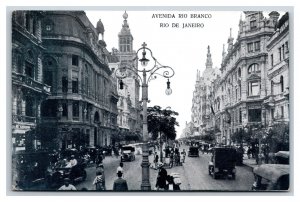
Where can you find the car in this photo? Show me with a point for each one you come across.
(222, 162)
(56, 175)
(271, 177)
(282, 157)
(128, 153)
(193, 152)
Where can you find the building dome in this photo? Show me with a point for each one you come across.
(125, 16)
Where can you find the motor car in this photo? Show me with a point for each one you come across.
(282, 157)
(31, 167)
(271, 177)
(128, 153)
(193, 152)
(222, 162)
(56, 175)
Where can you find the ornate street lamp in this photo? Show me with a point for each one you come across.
(166, 72)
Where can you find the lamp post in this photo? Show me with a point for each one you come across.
(153, 72)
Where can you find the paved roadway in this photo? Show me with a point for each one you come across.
(194, 175)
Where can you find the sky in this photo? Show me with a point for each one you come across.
(183, 48)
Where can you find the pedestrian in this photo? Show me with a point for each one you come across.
(155, 160)
(120, 184)
(161, 181)
(67, 186)
(183, 154)
(99, 181)
(120, 168)
(249, 152)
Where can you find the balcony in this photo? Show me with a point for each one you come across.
(24, 119)
(30, 83)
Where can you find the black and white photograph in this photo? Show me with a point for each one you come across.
(150, 100)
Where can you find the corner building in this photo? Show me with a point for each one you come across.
(244, 80)
(83, 102)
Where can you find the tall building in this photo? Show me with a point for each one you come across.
(203, 97)
(129, 118)
(28, 87)
(244, 74)
(82, 107)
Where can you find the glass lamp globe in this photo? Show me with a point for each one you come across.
(168, 91)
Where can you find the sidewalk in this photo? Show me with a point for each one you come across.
(250, 163)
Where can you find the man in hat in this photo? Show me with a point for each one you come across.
(67, 186)
(120, 184)
(161, 181)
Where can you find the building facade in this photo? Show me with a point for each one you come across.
(277, 101)
(28, 88)
(82, 107)
(252, 89)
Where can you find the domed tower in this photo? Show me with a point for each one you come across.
(125, 37)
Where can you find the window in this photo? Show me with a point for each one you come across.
(254, 68)
(254, 115)
(75, 60)
(272, 60)
(250, 47)
(64, 84)
(239, 72)
(272, 113)
(29, 69)
(27, 22)
(253, 24)
(272, 87)
(257, 45)
(279, 52)
(75, 85)
(75, 109)
(283, 52)
(240, 115)
(253, 88)
(286, 47)
(48, 77)
(281, 84)
(65, 109)
(34, 27)
(282, 111)
(236, 94)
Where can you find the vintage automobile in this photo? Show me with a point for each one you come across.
(128, 153)
(193, 152)
(222, 162)
(56, 175)
(282, 157)
(271, 177)
(31, 167)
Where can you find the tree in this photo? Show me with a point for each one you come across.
(162, 121)
(278, 137)
(241, 136)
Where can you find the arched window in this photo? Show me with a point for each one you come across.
(281, 83)
(253, 68)
(239, 72)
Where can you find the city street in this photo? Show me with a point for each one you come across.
(194, 175)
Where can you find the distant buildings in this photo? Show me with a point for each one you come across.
(253, 87)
